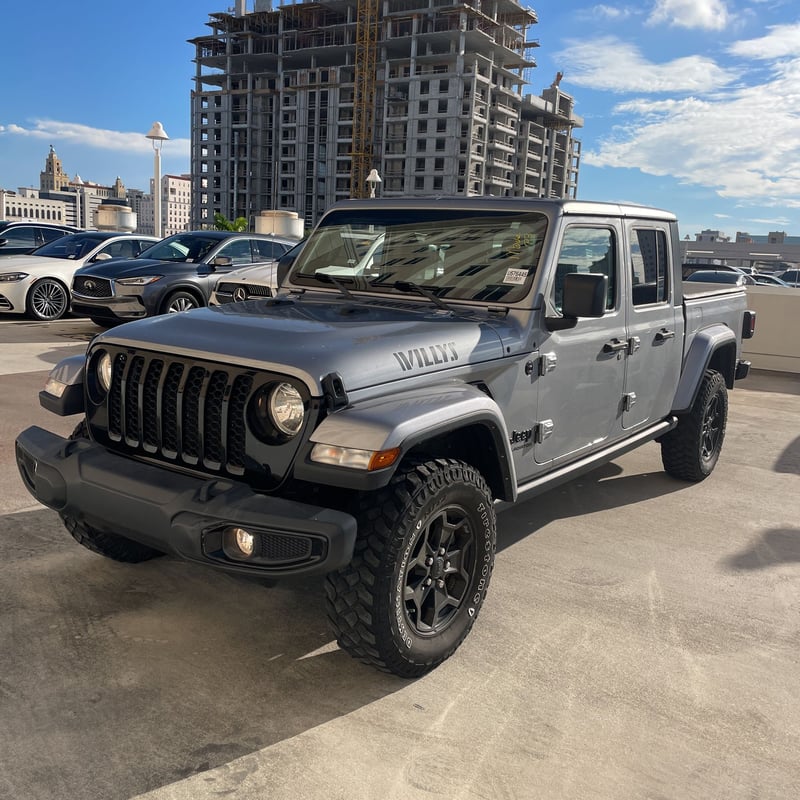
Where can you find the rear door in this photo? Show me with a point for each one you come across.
(655, 325)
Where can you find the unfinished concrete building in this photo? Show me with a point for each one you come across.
(293, 107)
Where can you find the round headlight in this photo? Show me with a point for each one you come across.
(286, 409)
(104, 367)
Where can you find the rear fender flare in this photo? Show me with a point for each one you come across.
(719, 339)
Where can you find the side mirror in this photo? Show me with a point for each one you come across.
(285, 264)
(222, 261)
(584, 295)
(3, 242)
(102, 257)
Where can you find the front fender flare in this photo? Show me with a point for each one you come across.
(67, 376)
(407, 420)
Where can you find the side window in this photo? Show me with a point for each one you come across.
(20, 237)
(51, 234)
(266, 250)
(585, 249)
(122, 249)
(649, 265)
(238, 251)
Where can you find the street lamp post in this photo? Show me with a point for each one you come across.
(157, 136)
(372, 180)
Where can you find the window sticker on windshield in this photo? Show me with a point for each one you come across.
(518, 276)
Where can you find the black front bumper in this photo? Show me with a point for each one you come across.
(181, 514)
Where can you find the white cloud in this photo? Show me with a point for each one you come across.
(612, 12)
(612, 65)
(705, 14)
(740, 143)
(56, 132)
(780, 42)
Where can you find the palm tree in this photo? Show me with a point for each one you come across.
(223, 224)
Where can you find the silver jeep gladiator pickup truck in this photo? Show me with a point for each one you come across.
(423, 360)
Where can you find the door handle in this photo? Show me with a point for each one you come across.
(664, 334)
(614, 346)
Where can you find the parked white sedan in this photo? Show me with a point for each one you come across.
(38, 283)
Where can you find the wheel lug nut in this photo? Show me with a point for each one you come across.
(428, 581)
(440, 584)
(429, 561)
(447, 565)
(442, 551)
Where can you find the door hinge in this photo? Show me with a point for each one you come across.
(543, 430)
(634, 343)
(547, 363)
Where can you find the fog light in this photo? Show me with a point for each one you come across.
(245, 541)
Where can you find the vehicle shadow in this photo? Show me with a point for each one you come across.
(777, 546)
(602, 489)
(117, 679)
(789, 460)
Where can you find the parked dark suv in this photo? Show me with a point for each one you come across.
(176, 274)
(20, 238)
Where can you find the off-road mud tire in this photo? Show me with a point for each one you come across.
(691, 450)
(421, 568)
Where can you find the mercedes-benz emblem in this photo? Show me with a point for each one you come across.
(239, 294)
(89, 285)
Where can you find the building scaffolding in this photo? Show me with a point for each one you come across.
(292, 107)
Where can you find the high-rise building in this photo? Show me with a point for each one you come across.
(287, 103)
(175, 205)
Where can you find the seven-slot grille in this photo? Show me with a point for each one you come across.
(188, 412)
(89, 286)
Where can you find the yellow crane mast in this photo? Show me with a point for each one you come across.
(364, 95)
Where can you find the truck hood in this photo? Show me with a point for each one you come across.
(366, 343)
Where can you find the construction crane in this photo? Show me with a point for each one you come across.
(364, 95)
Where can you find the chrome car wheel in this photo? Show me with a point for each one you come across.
(47, 300)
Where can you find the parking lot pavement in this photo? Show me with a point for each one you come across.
(640, 640)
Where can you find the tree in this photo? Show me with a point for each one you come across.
(223, 224)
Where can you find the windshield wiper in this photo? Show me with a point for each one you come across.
(326, 277)
(408, 286)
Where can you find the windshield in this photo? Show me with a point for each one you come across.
(487, 256)
(74, 246)
(187, 247)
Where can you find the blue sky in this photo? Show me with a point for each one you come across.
(691, 105)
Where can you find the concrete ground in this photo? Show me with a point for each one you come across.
(641, 639)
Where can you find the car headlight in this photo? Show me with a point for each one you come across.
(141, 280)
(11, 277)
(277, 412)
(104, 367)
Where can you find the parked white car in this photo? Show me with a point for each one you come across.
(38, 283)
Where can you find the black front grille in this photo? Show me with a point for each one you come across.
(188, 412)
(89, 286)
(250, 290)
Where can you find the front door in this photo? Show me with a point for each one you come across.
(582, 369)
